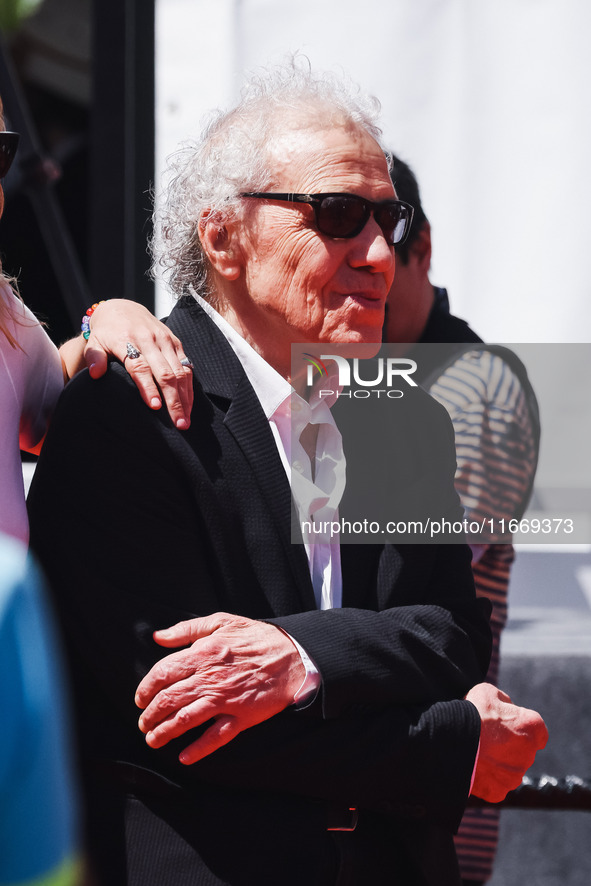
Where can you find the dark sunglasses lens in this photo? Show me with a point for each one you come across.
(8, 146)
(341, 216)
(393, 220)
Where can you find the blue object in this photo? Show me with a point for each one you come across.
(37, 817)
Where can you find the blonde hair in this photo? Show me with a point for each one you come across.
(8, 314)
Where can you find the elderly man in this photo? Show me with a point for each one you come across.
(309, 725)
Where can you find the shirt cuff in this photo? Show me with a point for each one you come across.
(312, 680)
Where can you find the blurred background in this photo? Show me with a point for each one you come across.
(488, 100)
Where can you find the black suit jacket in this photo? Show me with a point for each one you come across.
(139, 526)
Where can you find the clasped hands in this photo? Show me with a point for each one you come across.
(234, 671)
(237, 672)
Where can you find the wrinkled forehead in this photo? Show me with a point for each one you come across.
(313, 157)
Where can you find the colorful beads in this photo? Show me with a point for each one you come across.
(86, 318)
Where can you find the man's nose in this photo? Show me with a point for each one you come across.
(371, 250)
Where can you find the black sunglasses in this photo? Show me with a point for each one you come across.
(8, 146)
(345, 215)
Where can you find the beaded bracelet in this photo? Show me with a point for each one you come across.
(86, 318)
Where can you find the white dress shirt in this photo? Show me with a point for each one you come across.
(316, 490)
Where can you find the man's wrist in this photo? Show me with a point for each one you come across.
(308, 689)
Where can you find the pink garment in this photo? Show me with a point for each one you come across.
(31, 380)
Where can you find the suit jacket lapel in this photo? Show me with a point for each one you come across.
(223, 379)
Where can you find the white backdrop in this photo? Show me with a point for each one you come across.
(488, 100)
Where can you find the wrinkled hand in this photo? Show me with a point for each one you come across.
(118, 321)
(236, 671)
(509, 740)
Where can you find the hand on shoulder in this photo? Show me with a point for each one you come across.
(152, 355)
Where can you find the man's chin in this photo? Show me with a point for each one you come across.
(360, 343)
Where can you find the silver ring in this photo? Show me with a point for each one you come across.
(132, 351)
(186, 362)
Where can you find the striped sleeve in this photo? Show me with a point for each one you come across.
(495, 442)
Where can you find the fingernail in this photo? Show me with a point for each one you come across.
(155, 403)
(182, 424)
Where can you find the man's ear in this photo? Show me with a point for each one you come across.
(220, 244)
(420, 248)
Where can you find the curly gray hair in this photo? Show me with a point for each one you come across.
(233, 156)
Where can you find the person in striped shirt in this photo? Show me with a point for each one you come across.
(494, 413)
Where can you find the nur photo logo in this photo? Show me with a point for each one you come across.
(367, 374)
